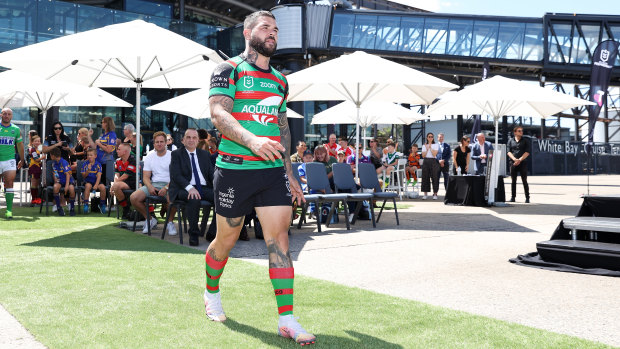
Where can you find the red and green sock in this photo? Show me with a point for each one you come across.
(282, 281)
(214, 271)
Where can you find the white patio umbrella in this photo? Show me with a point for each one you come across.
(133, 54)
(361, 77)
(499, 96)
(195, 105)
(19, 90)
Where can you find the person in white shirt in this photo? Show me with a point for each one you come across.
(430, 166)
(156, 179)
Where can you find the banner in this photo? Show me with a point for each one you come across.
(602, 63)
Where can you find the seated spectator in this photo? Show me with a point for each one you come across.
(34, 168)
(128, 131)
(344, 145)
(413, 164)
(80, 151)
(203, 137)
(363, 159)
(342, 157)
(389, 161)
(134, 143)
(91, 172)
(376, 153)
(302, 170)
(125, 176)
(299, 154)
(332, 147)
(170, 143)
(64, 180)
(156, 179)
(58, 139)
(320, 155)
(183, 182)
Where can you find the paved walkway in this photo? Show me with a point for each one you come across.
(457, 257)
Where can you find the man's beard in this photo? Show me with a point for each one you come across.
(260, 47)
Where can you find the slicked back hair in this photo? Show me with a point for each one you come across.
(252, 18)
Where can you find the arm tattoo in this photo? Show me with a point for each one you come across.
(234, 222)
(285, 140)
(221, 109)
(278, 258)
(211, 252)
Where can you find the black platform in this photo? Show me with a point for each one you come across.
(594, 244)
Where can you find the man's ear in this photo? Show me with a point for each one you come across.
(247, 34)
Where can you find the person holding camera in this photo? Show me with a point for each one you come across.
(57, 138)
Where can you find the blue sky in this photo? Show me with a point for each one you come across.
(521, 8)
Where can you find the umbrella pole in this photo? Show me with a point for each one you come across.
(44, 164)
(138, 170)
(357, 140)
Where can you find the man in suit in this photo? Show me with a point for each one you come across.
(444, 155)
(191, 179)
(480, 153)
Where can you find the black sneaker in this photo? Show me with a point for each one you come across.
(61, 212)
(72, 212)
(512, 199)
(527, 200)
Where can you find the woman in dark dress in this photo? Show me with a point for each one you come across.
(57, 138)
(461, 156)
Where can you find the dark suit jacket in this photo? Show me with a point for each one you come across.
(476, 152)
(181, 172)
(445, 155)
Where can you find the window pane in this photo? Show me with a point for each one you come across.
(149, 8)
(459, 42)
(56, 18)
(533, 42)
(93, 17)
(388, 29)
(411, 34)
(16, 24)
(342, 30)
(510, 42)
(123, 17)
(365, 31)
(560, 43)
(485, 39)
(581, 44)
(435, 35)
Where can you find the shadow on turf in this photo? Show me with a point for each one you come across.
(109, 237)
(360, 340)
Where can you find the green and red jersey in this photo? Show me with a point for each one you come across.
(258, 95)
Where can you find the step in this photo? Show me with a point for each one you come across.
(584, 254)
(606, 224)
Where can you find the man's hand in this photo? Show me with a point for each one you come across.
(162, 191)
(266, 148)
(296, 193)
(483, 156)
(442, 162)
(517, 162)
(193, 194)
(20, 163)
(151, 189)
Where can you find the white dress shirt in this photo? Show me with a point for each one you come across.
(201, 178)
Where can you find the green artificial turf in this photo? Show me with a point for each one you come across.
(80, 282)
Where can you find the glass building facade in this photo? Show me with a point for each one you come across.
(25, 22)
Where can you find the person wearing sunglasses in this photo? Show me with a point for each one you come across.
(518, 149)
(57, 138)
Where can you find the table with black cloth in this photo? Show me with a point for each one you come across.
(469, 191)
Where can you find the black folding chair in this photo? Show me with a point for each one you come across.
(345, 183)
(47, 187)
(182, 219)
(369, 180)
(318, 181)
(148, 201)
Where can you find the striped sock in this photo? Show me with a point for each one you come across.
(282, 281)
(10, 194)
(214, 271)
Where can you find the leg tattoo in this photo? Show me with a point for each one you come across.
(234, 222)
(278, 258)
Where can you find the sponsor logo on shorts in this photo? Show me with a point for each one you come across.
(288, 185)
(227, 199)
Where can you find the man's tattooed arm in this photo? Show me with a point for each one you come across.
(285, 140)
(221, 109)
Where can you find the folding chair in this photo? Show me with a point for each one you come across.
(368, 180)
(343, 180)
(182, 219)
(318, 181)
(47, 186)
(148, 201)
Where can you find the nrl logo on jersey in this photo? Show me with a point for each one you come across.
(248, 81)
(266, 106)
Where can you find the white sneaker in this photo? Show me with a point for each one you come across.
(288, 327)
(54, 208)
(153, 221)
(424, 197)
(170, 228)
(213, 306)
(351, 217)
(434, 197)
